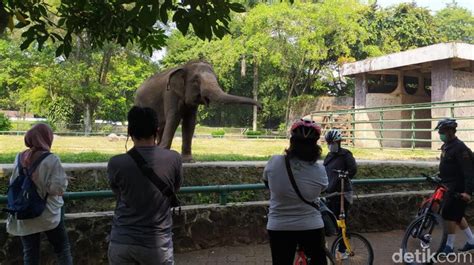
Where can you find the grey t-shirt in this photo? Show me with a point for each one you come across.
(287, 211)
(142, 214)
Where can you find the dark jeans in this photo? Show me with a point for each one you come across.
(58, 239)
(283, 245)
(334, 204)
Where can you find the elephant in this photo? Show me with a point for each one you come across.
(175, 95)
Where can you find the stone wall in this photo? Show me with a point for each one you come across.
(201, 227)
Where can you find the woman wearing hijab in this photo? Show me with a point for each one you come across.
(51, 182)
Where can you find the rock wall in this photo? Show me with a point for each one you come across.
(201, 227)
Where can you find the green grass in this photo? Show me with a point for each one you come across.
(99, 149)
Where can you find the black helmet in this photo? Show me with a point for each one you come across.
(446, 123)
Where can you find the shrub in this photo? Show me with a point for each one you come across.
(253, 134)
(218, 134)
(5, 123)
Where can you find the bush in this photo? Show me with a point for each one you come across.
(5, 123)
(253, 134)
(218, 134)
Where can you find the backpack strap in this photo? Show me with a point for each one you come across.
(293, 183)
(150, 173)
(34, 166)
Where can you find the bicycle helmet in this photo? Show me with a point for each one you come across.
(446, 123)
(305, 129)
(333, 135)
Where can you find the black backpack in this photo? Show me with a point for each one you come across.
(24, 202)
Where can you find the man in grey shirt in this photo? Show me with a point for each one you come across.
(141, 229)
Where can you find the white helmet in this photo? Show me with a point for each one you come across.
(333, 135)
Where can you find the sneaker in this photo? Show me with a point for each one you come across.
(343, 255)
(447, 250)
(467, 247)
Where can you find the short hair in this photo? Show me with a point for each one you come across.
(142, 122)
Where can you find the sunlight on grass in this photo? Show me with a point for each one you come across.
(100, 149)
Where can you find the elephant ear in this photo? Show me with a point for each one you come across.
(176, 82)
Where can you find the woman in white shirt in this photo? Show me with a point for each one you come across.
(291, 221)
(51, 182)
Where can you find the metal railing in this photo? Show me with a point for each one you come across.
(224, 190)
(406, 127)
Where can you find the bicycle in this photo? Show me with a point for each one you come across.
(428, 230)
(302, 260)
(363, 255)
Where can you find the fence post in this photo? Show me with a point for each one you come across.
(413, 127)
(452, 110)
(381, 129)
(353, 126)
(223, 197)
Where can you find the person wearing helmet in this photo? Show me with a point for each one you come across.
(339, 158)
(292, 221)
(457, 173)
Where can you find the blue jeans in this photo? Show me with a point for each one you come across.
(58, 239)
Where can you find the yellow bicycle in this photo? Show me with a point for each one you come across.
(348, 247)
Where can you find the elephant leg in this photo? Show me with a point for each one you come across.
(188, 126)
(172, 122)
(159, 136)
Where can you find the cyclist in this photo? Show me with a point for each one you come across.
(457, 173)
(339, 158)
(291, 221)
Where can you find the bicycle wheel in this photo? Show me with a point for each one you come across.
(426, 235)
(361, 250)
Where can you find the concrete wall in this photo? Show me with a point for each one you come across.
(201, 227)
(451, 85)
(397, 97)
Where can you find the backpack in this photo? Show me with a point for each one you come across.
(24, 202)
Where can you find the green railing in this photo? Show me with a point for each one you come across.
(405, 127)
(224, 190)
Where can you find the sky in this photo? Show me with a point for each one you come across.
(433, 5)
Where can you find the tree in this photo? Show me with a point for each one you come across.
(455, 23)
(114, 21)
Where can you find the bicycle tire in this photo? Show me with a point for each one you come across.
(369, 260)
(434, 220)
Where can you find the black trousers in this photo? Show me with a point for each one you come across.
(283, 246)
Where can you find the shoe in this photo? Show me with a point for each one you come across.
(447, 250)
(467, 247)
(343, 255)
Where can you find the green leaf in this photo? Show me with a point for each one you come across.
(26, 43)
(236, 7)
(59, 50)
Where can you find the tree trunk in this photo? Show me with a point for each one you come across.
(292, 88)
(87, 119)
(255, 93)
(243, 67)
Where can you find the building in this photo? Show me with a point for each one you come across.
(437, 73)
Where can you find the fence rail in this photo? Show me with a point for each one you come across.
(410, 123)
(224, 190)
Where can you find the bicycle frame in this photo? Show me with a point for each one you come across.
(341, 220)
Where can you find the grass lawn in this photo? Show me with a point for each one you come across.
(99, 149)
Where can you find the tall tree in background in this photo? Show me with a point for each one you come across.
(455, 23)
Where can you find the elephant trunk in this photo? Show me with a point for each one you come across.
(224, 98)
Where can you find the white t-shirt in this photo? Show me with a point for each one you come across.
(287, 211)
(49, 179)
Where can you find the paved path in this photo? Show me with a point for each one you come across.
(384, 244)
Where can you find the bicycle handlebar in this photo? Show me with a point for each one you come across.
(342, 173)
(437, 180)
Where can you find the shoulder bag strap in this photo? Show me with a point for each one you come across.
(293, 183)
(150, 173)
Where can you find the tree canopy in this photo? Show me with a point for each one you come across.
(279, 52)
(115, 21)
